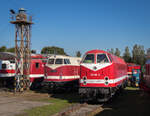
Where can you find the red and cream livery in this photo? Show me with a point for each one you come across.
(60, 70)
(7, 67)
(101, 75)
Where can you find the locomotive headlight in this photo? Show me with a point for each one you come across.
(106, 80)
(84, 80)
(94, 67)
(106, 83)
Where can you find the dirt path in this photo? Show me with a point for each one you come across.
(12, 105)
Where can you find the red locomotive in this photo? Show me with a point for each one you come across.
(145, 82)
(132, 66)
(7, 67)
(102, 74)
(62, 71)
(134, 72)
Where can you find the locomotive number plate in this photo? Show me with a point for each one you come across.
(95, 75)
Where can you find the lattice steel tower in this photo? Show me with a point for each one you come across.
(22, 24)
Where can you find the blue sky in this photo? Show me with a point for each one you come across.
(81, 24)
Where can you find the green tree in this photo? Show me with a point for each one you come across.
(110, 50)
(11, 50)
(138, 54)
(127, 55)
(53, 50)
(135, 53)
(117, 52)
(78, 54)
(3, 49)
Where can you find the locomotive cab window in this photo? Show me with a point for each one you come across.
(4, 66)
(51, 61)
(102, 58)
(89, 58)
(67, 61)
(44, 61)
(59, 61)
(110, 58)
(37, 65)
(12, 61)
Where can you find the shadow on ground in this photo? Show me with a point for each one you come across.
(130, 103)
(71, 95)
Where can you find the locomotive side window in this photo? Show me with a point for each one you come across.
(59, 61)
(12, 61)
(110, 58)
(102, 58)
(4, 66)
(67, 61)
(44, 60)
(37, 65)
(89, 58)
(51, 61)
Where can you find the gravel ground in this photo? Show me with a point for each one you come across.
(11, 105)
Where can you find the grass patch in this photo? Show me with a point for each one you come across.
(56, 106)
(132, 88)
(58, 103)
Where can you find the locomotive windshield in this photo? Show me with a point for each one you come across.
(51, 61)
(102, 58)
(67, 61)
(89, 58)
(59, 61)
(4, 66)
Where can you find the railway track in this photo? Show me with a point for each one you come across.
(81, 110)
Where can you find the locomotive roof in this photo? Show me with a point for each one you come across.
(38, 56)
(11, 56)
(96, 51)
(63, 56)
(132, 64)
(7, 56)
